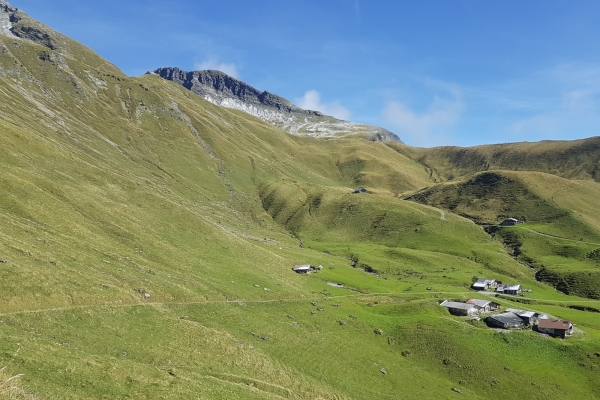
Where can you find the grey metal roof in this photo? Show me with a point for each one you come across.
(513, 310)
(301, 267)
(479, 302)
(527, 314)
(510, 286)
(522, 313)
(456, 304)
(507, 318)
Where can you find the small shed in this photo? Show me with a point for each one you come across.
(360, 190)
(306, 268)
(555, 327)
(458, 308)
(485, 283)
(484, 306)
(509, 222)
(505, 320)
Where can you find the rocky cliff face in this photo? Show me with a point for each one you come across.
(16, 23)
(226, 91)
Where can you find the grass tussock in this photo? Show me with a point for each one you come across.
(10, 388)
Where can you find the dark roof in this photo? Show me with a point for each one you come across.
(510, 286)
(507, 318)
(554, 324)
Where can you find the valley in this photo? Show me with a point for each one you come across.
(148, 236)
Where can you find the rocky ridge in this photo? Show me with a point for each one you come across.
(226, 91)
(13, 22)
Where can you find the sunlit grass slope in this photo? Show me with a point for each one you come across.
(578, 159)
(560, 236)
(147, 239)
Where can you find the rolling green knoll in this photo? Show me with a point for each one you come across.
(147, 239)
(556, 240)
(578, 159)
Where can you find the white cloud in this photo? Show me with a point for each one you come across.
(572, 104)
(215, 63)
(312, 101)
(427, 128)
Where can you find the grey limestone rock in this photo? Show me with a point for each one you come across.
(226, 91)
(14, 22)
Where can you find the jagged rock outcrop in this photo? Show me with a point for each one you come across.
(7, 13)
(226, 91)
(15, 22)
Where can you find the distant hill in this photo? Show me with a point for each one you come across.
(577, 159)
(226, 91)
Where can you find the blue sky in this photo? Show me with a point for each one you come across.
(434, 72)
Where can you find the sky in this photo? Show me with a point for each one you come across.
(460, 72)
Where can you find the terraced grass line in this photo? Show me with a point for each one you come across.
(256, 301)
(292, 300)
(556, 237)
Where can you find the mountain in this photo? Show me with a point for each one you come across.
(226, 91)
(148, 239)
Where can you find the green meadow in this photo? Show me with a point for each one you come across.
(147, 240)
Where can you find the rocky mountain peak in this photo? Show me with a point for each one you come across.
(5, 6)
(7, 12)
(14, 22)
(216, 86)
(227, 91)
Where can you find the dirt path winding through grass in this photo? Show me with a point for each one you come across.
(557, 237)
(282, 300)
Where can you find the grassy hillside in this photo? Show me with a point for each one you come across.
(147, 239)
(558, 239)
(578, 159)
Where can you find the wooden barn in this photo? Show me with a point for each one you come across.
(555, 327)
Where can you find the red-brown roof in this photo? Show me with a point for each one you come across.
(554, 324)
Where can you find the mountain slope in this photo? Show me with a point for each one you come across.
(147, 239)
(223, 90)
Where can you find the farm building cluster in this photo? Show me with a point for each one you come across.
(493, 284)
(511, 318)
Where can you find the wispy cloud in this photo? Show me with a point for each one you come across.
(357, 8)
(428, 128)
(214, 63)
(312, 101)
(572, 104)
